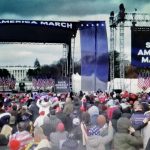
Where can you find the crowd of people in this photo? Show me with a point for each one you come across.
(81, 121)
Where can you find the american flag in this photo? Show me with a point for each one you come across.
(51, 82)
(3, 81)
(7, 82)
(147, 82)
(140, 81)
(143, 81)
(34, 83)
(12, 83)
(42, 83)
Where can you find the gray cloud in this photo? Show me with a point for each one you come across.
(65, 7)
(25, 54)
(56, 9)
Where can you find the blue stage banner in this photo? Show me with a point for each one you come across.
(140, 46)
(94, 56)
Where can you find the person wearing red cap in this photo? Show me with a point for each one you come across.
(22, 135)
(39, 120)
(58, 137)
(14, 144)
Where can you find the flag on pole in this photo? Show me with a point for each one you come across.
(147, 82)
(140, 81)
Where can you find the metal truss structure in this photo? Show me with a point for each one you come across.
(65, 70)
(72, 62)
(122, 20)
(65, 65)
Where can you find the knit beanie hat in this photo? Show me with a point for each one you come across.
(14, 144)
(42, 113)
(58, 109)
(60, 127)
(123, 124)
(93, 111)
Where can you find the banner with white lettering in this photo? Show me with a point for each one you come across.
(36, 31)
(58, 24)
(62, 85)
(140, 46)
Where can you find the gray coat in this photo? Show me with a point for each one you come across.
(68, 109)
(57, 137)
(123, 140)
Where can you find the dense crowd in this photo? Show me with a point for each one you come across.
(91, 121)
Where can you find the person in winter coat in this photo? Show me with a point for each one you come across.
(39, 121)
(77, 104)
(22, 135)
(68, 108)
(115, 116)
(70, 143)
(34, 109)
(43, 104)
(58, 137)
(138, 115)
(94, 113)
(40, 140)
(85, 118)
(126, 138)
(50, 123)
(96, 142)
(76, 131)
(60, 115)
(102, 124)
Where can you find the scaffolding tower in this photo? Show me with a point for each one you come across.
(73, 52)
(65, 64)
(71, 69)
(121, 66)
(122, 20)
(112, 49)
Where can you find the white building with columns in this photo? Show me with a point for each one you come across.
(19, 72)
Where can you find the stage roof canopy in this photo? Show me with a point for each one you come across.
(37, 31)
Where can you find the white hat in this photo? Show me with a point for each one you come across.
(76, 121)
(124, 105)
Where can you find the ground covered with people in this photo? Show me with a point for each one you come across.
(75, 121)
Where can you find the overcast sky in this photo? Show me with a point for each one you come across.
(55, 10)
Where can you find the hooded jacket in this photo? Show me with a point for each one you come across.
(123, 140)
(33, 108)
